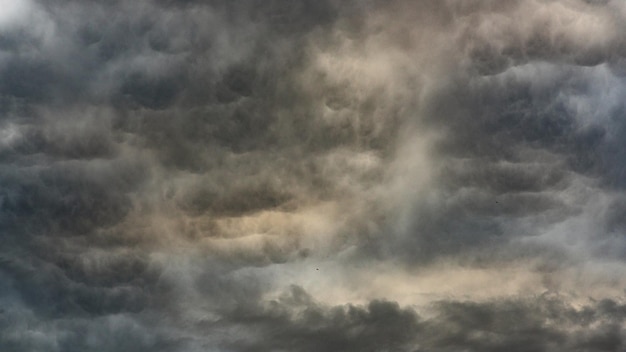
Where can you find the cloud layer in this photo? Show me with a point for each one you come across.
(312, 175)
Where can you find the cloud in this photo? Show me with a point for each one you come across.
(312, 175)
(296, 321)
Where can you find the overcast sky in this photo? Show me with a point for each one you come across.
(313, 175)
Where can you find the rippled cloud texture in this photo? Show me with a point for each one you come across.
(429, 175)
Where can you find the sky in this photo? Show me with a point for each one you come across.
(300, 175)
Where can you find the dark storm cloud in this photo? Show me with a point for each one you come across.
(516, 132)
(511, 148)
(544, 324)
(296, 322)
(106, 98)
(153, 151)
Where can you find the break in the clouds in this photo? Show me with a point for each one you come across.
(313, 175)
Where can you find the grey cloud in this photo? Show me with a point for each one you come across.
(543, 325)
(295, 321)
(22, 332)
(379, 326)
(572, 33)
(150, 151)
(512, 148)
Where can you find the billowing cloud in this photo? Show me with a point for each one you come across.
(312, 175)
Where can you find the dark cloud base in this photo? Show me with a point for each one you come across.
(296, 322)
